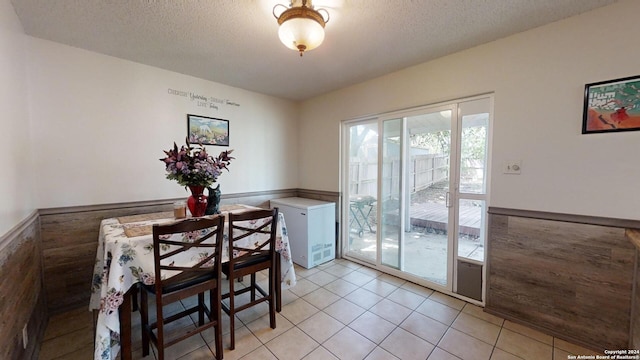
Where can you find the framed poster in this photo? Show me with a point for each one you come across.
(207, 131)
(612, 105)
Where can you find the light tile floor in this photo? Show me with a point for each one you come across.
(341, 310)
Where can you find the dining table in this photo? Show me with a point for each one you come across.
(125, 257)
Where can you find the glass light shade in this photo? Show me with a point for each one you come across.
(301, 31)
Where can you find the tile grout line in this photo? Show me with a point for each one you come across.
(374, 275)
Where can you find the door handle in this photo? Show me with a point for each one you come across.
(447, 199)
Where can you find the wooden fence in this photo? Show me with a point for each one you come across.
(425, 170)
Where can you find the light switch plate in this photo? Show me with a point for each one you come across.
(513, 167)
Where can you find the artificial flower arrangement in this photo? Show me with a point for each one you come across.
(191, 165)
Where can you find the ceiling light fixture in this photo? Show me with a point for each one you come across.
(301, 26)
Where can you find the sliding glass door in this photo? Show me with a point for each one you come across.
(416, 193)
(362, 189)
(428, 197)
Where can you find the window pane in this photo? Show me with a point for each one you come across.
(473, 146)
(391, 227)
(471, 229)
(426, 246)
(473, 154)
(363, 187)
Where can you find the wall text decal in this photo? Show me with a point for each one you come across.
(208, 102)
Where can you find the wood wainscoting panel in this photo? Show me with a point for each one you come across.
(22, 299)
(571, 280)
(634, 342)
(69, 245)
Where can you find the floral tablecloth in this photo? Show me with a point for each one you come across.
(125, 257)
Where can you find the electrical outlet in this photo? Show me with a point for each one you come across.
(513, 167)
(25, 336)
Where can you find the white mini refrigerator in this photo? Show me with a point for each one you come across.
(311, 229)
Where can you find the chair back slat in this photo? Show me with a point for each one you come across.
(174, 243)
(251, 233)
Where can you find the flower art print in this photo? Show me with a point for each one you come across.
(612, 105)
(208, 131)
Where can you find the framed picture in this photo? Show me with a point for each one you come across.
(207, 131)
(612, 105)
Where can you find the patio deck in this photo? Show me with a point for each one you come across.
(433, 217)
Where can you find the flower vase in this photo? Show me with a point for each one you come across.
(197, 202)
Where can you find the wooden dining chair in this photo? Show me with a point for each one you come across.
(252, 248)
(187, 263)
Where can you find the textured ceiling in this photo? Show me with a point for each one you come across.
(235, 42)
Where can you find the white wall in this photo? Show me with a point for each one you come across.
(100, 124)
(16, 186)
(538, 78)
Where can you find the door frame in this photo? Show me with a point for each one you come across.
(452, 256)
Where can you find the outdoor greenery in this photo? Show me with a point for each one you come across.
(439, 142)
